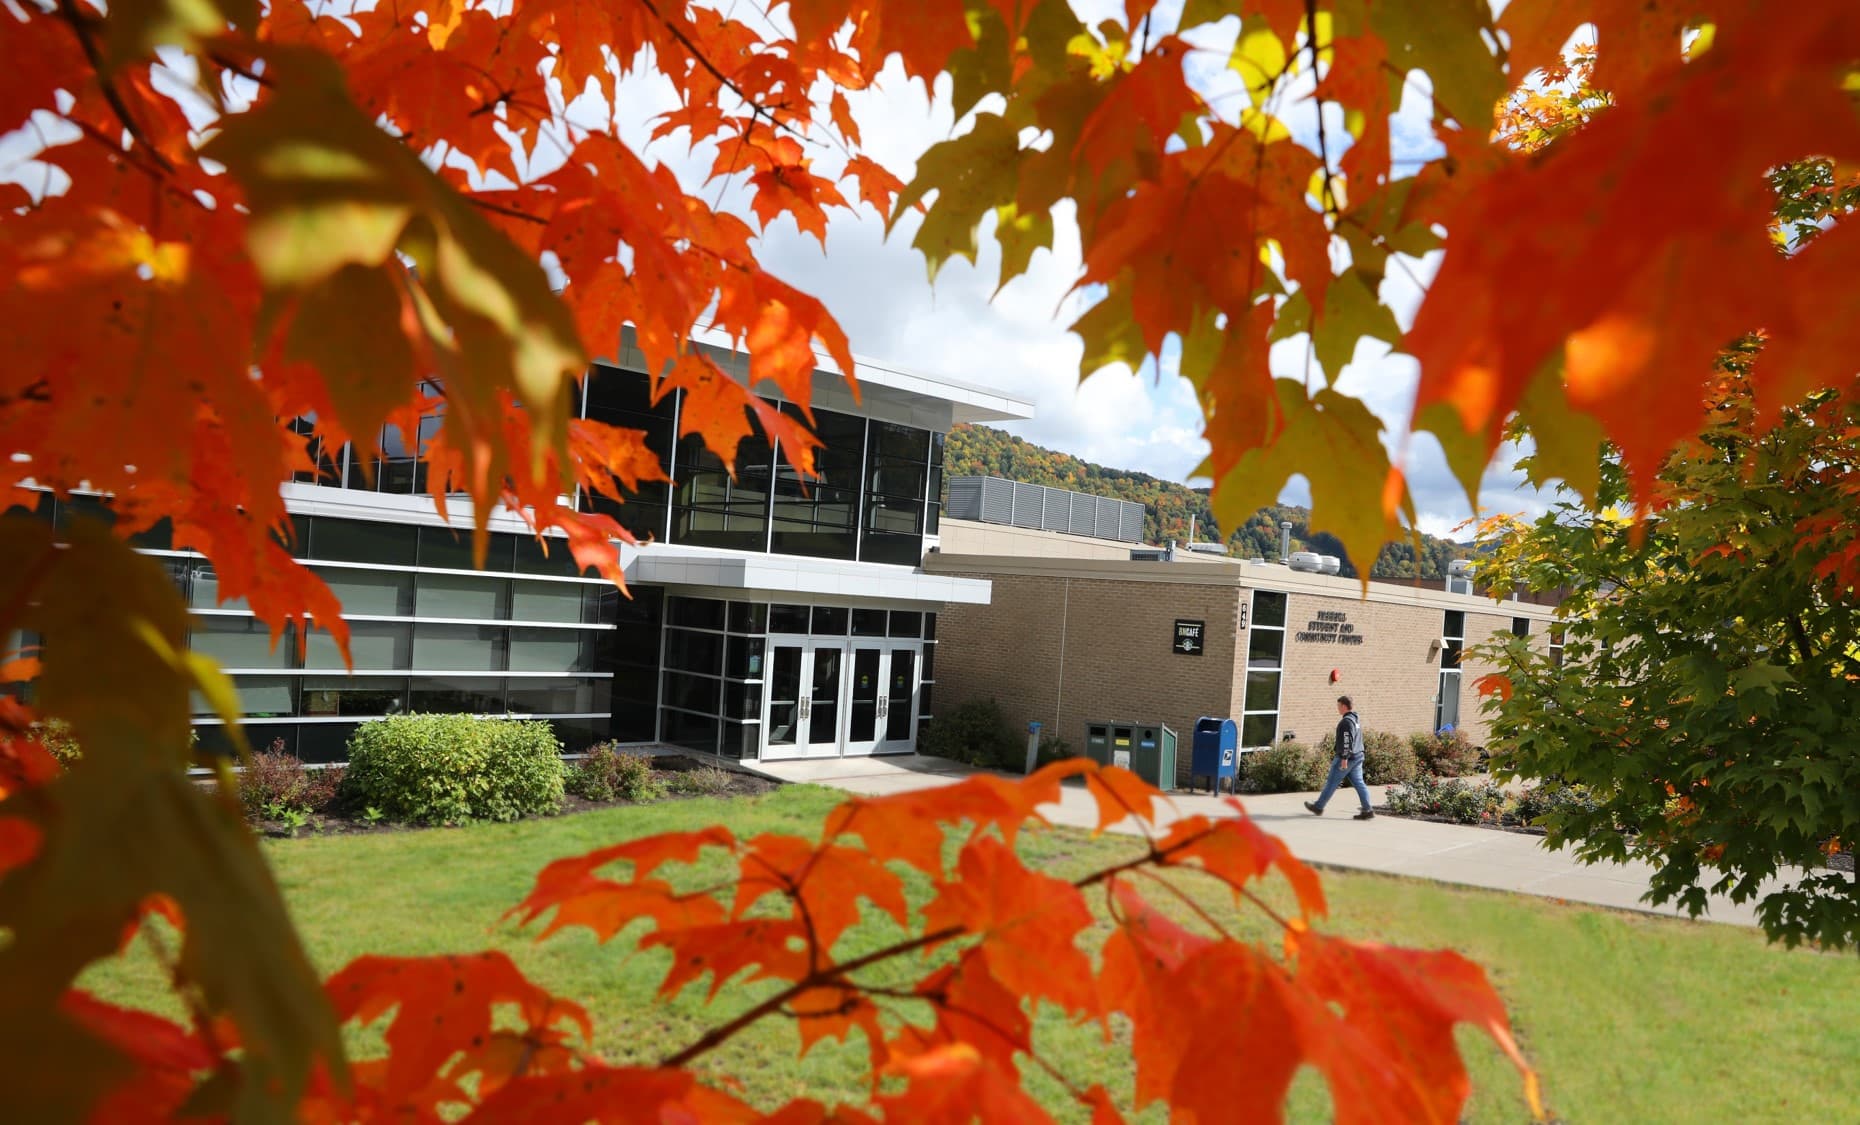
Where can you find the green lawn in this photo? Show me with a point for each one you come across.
(1628, 1017)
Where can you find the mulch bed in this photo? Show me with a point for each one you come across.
(666, 769)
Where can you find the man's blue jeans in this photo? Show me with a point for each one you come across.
(1338, 771)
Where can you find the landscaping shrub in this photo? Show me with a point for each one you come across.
(276, 784)
(1284, 767)
(976, 733)
(1548, 797)
(448, 769)
(607, 774)
(1445, 755)
(1387, 758)
(707, 781)
(1053, 749)
(1452, 799)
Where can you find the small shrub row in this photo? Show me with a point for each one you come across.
(276, 785)
(1387, 759)
(975, 733)
(1284, 767)
(1463, 801)
(607, 774)
(1448, 754)
(449, 769)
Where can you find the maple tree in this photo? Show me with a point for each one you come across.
(238, 218)
(1705, 687)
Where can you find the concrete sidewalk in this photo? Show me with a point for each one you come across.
(1449, 853)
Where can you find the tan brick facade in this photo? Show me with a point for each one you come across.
(1068, 641)
(1392, 676)
(1067, 651)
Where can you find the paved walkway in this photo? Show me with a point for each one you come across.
(1449, 853)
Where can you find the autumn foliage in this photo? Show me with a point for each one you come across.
(237, 230)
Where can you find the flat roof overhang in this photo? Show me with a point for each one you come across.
(793, 576)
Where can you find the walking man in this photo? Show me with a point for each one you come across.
(1349, 761)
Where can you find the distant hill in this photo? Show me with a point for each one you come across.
(1169, 507)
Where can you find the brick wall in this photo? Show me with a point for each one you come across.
(1392, 676)
(1116, 663)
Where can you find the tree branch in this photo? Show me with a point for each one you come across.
(67, 9)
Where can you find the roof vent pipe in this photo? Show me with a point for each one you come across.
(1285, 541)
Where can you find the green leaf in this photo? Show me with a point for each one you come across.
(1761, 676)
(136, 27)
(1352, 311)
(1020, 235)
(1568, 444)
(1334, 441)
(972, 175)
(1446, 39)
(1111, 334)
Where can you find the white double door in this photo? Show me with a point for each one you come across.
(829, 698)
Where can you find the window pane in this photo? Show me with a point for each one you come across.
(373, 645)
(1259, 730)
(241, 642)
(1450, 655)
(788, 619)
(829, 621)
(457, 695)
(710, 508)
(363, 541)
(868, 622)
(1455, 624)
(260, 697)
(818, 516)
(695, 613)
(1268, 608)
(461, 595)
(694, 652)
(470, 648)
(691, 732)
(547, 601)
(749, 617)
(929, 626)
(905, 623)
(384, 593)
(562, 697)
(742, 701)
(445, 549)
(202, 584)
(362, 695)
(531, 560)
(693, 693)
(745, 657)
(1264, 647)
(1262, 691)
(1520, 626)
(551, 650)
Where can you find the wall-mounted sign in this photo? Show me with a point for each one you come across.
(1189, 637)
(1329, 627)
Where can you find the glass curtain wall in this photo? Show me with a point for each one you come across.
(522, 638)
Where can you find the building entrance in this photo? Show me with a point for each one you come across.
(832, 698)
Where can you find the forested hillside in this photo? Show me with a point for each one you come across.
(1169, 507)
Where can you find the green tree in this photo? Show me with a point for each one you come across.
(1708, 684)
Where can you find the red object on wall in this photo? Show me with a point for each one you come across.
(1335, 675)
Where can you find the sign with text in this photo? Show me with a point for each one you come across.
(1188, 637)
(1329, 627)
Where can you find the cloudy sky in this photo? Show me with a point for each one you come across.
(1017, 340)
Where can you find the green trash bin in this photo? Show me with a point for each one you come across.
(1153, 755)
(1098, 742)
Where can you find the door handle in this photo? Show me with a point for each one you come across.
(806, 701)
(883, 705)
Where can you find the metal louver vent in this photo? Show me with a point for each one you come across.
(1014, 504)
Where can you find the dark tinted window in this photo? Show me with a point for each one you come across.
(819, 516)
(624, 398)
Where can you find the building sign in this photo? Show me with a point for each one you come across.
(1329, 627)
(1188, 637)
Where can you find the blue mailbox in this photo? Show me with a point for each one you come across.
(1216, 754)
